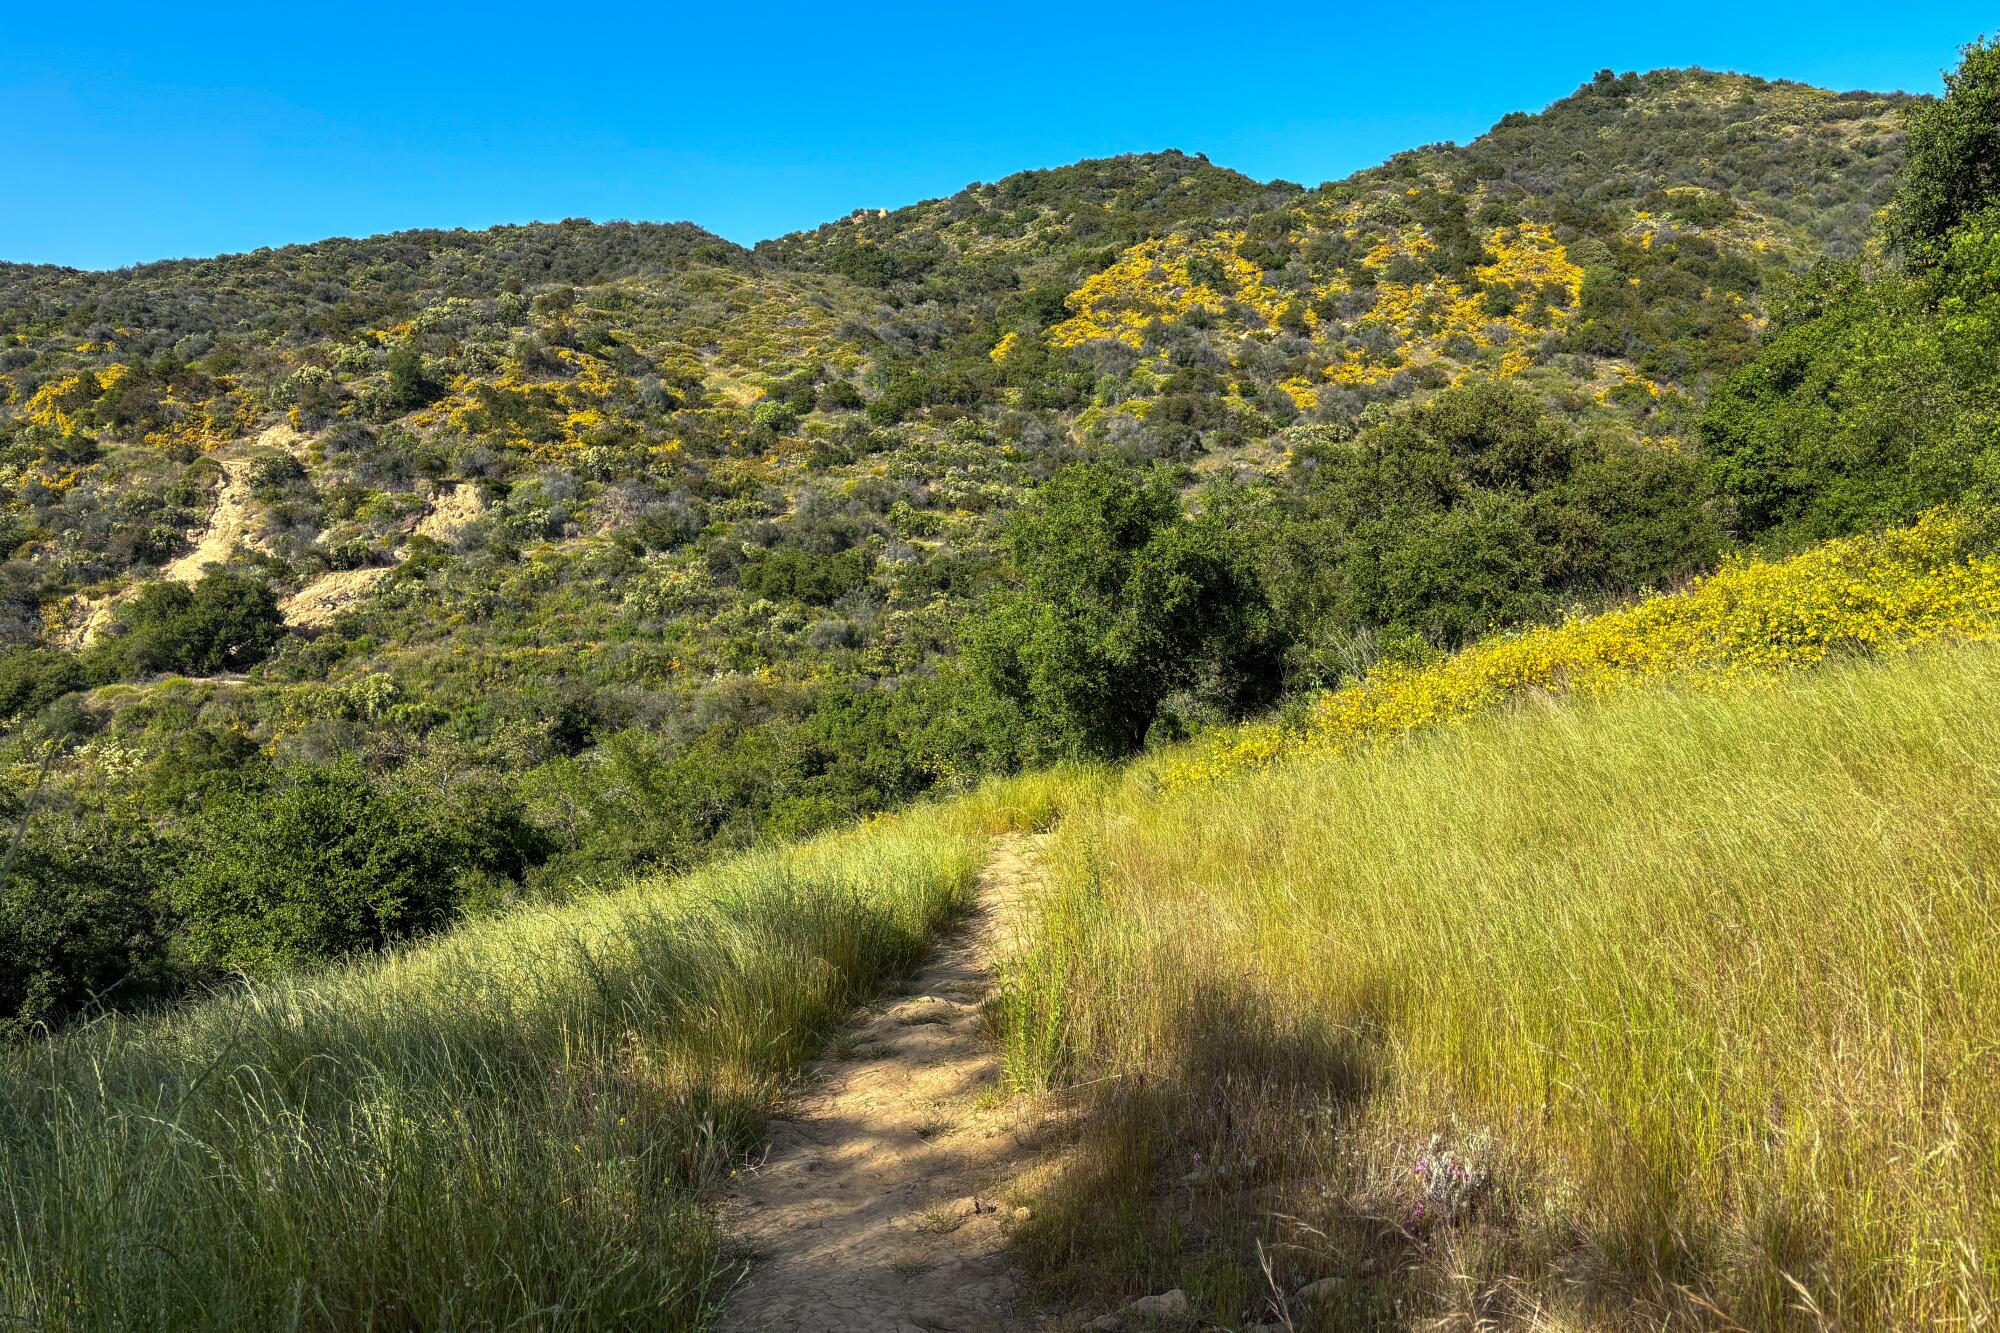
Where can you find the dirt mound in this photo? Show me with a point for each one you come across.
(315, 605)
(452, 514)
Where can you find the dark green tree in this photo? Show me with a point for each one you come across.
(1953, 169)
(1849, 418)
(79, 923)
(33, 678)
(224, 622)
(327, 861)
(1873, 396)
(1474, 511)
(411, 382)
(1124, 601)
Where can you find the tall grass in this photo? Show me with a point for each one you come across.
(1670, 1007)
(510, 1127)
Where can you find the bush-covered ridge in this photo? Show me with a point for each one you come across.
(1810, 160)
(563, 551)
(342, 284)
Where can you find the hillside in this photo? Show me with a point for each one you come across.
(1128, 749)
(1602, 1014)
(587, 548)
(1350, 1036)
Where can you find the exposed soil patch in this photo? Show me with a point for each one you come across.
(450, 515)
(317, 604)
(321, 600)
(232, 522)
(229, 526)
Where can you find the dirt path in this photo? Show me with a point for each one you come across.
(873, 1212)
(231, 522)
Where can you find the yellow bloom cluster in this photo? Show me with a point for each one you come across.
(1003, 347)
(210, 422)
(593, 376)
(1891, 592)
(55, 404)
(1424, 316)
(1155, 280)
(1301, 391)
(1170, 278)
(575, 407)
(1628, 379)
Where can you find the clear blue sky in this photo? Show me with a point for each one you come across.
(132, 132)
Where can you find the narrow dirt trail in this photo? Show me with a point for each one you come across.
(873, 1212)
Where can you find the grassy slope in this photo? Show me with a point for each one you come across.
(509, 1127)
(1667, 1000)
(1702, 986)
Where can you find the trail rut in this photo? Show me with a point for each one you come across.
(875, 1209)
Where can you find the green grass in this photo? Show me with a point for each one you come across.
(511, 1127)
(1703, 992)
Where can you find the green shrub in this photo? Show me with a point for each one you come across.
(33, 678)
(412, 383)
(803, 576)
(1475, 510)
(1872, 401)
(328, 862)
(226, 622)
(79, 923)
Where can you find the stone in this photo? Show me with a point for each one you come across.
(1320, 1292)
(1168, 1305)
(1173, 1304)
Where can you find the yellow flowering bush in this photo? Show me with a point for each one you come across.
(1934, 580)
(1169, 279)
(1159, 280)
(55, 403)
(1528, 262)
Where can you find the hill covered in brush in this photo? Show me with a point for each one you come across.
(1538, 868)
(510, 562)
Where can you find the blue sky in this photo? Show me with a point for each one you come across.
(135, 132)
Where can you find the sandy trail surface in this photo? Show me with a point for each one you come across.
(229, 526)
(877, 1209)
